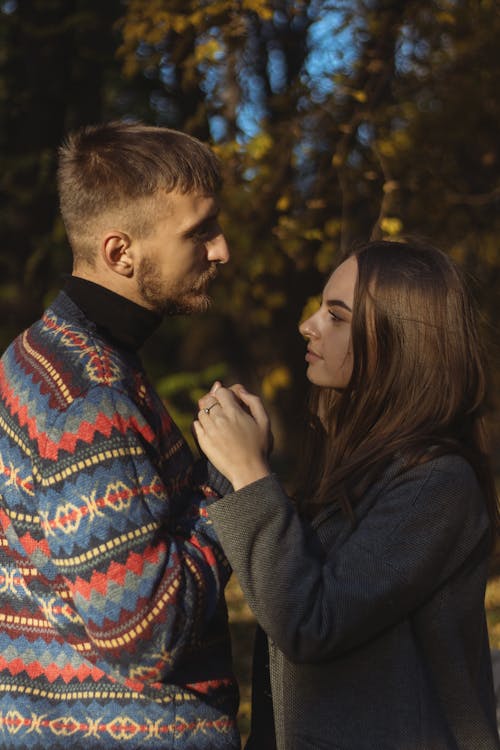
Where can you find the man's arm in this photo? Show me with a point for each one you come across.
(143, 582)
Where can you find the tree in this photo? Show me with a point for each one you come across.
(57, 71)
(388, 127)
(335, 121)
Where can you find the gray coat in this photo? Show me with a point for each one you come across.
(377, 634)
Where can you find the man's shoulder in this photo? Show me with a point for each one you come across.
(63, 355)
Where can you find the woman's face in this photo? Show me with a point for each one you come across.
(328, 331)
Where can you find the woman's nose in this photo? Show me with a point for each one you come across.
(307, 328)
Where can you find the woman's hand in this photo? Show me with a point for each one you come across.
(233, 431)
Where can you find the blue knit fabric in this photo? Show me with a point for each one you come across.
(113, 626)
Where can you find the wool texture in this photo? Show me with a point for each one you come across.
(377, 635)
(113, 625)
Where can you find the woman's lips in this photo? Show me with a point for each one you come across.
(312, 356)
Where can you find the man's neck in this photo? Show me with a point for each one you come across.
(120, 319)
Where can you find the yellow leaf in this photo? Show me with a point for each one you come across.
(209, 50)
(390, 186)
(386, 148)
(310, 307)
(360, 96)
(391, 225)
(312, 234)
(261, 7)
(259, 146)
(325, 256)
(333, 227)
(446, 17)
(316, 203)
(276, 380)
(283, 203)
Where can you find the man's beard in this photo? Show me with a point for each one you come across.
(176, 300)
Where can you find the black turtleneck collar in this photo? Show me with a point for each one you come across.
(122, 320)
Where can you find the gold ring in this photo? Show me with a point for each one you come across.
(207, 409)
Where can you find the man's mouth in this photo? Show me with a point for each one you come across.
(206, 278)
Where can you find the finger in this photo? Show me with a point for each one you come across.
(197, 429)
(207, 401)
(254, 405)
(194, 427)
(216, 386)
(206, 397)
(226, 397)
(203, 417)
(237, 388)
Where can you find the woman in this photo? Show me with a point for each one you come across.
(370, 586)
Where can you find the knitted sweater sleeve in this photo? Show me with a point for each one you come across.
(143, 583)
(317, 600)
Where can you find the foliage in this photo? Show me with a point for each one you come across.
(334, 121)
(57, 71)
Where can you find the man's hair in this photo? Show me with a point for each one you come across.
(418, 384)
(118, 168)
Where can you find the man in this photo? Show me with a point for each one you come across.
(113, 627)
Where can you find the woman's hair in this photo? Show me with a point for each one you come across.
(119, 168)
(418, 384)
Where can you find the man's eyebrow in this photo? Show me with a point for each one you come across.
(337, 303)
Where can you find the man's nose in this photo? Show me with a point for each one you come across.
(218, 250)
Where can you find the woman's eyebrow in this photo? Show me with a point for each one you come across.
(337, 303)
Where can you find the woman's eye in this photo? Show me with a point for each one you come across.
(334, 316)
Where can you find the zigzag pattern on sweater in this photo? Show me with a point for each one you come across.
(113, 627)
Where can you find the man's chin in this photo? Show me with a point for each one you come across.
(188, 305)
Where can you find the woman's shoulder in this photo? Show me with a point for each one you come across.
(436, 500)
(445, 467)
(444, 484)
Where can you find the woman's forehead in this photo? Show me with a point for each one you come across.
(342, 282)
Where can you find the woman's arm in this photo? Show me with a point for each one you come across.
(316, 603)
(313, 601)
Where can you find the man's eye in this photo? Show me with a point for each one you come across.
(200, 235)
(207, 232)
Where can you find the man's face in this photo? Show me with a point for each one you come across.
(179, 255)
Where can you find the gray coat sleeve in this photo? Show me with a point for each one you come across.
(316, 601)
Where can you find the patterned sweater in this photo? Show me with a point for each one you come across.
(113, 626)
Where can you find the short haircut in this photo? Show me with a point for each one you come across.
(105, 168)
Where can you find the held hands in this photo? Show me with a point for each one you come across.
(233, 431)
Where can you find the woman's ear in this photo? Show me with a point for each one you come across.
(116, 252)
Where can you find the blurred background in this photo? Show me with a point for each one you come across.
(335, 121)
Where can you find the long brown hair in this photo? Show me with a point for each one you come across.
(418, 384)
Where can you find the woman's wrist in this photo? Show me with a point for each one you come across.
(249, 474)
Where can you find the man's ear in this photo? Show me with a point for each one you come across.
(116, 252)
